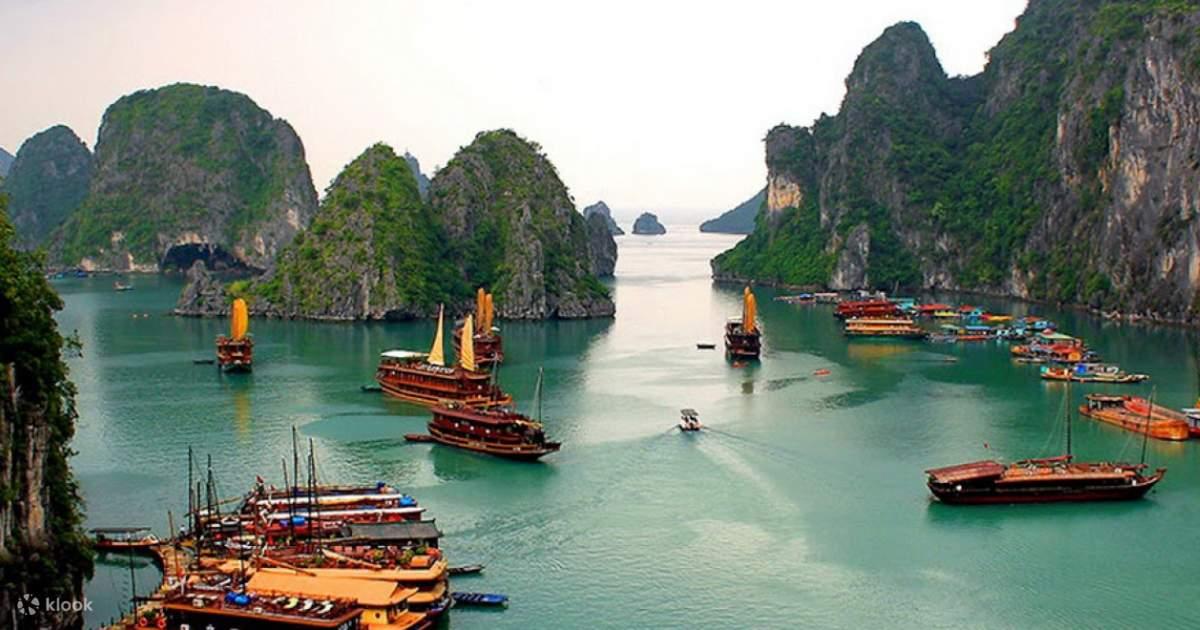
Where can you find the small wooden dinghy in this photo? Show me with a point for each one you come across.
(706, 346)
(419, 437)
(469, 569)
(479, 599)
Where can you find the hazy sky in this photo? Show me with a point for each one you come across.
(648, 105)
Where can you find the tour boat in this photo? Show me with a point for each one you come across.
(131, 539)
(743, 339)
(1044, 480)
(489, 349)
(883, 327)
(1136, 414)
(689, 420)
(424, 378)
(868, 308)
(228, 609)
(235, 353)
(1091, 373)
(503, 432)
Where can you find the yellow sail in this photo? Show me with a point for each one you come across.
(466, 354)
(240, 320)
(480, 305)
(749, 310)
(489, 313)
(436, 356)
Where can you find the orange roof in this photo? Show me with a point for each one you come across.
(372, 593)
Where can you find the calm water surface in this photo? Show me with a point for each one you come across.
(804, 507)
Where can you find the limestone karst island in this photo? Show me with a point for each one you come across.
(439, 315)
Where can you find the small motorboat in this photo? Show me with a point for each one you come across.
(119, 286)
(419, 437)
(479, 599)
(204, 361)
(706, 346)
(131, 539)
(469, 569)
(689, 420)
(371, 388)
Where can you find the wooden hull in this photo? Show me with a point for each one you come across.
(522, 452)
(740, 345)
(235, 355)
(1049, 493)
(1156, 428)
(427, 399)
(907, 334)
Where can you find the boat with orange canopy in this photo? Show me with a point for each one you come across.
(235, 353)
(743, 339)
(489, 347)
(425, 379)
(1134, 413)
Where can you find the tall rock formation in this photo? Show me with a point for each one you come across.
(43, 551)
(6, 160)
(422, 180)
(1064, 171)
(647, 224)
(186, 172)
(601, 209)
(602, 247)
(739, 220)
(48, 180)
(516, 229)
(498, 217)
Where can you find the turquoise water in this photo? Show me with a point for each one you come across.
(804, 507)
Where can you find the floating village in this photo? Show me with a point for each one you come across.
(303, 553)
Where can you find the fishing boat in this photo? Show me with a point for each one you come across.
(480, 599)
(489, 349)
(689, 420)
(503, 431)
(867, 308)
(235, 353)
(743, 339)
(1042, 480)
(1136, 414)
(1091, 373)
(900, 328)
(424, 378)
(467, 569)
(131, 539)
(706, 346)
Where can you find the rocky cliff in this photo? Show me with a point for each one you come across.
(739, 220)
(422, 180)
(602, 247)
(497, 217)
(43, 552)
(647, 224)
(1065, 171)
(48, 180)
(186, 172)
(601, 209)
(6, 160)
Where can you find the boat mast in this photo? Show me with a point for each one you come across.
(193, 513)
(1146, 429)
(537, 395)
(1068, 395)
(287, 489)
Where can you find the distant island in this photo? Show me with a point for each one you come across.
(739, 220)
(601, 209)
(647, 225)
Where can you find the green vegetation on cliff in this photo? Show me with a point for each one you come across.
(1032, 178)
(48, 180)
(192, 163)
(42, 548)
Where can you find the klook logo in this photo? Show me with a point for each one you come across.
(29, 605)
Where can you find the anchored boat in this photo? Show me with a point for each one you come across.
(489, 349)
(1044, 480)
(901, 328)
(503, 432)
(235, 353)
(743, 339)
(424, 378)
(1136, 414)
(1091, 373)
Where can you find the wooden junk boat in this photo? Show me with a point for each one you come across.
(489, 347)
(235, 353)
(1045, 480)
(743, 339)
(503, 432)
(867, 308)
(424, 378)
(1134, 413)
(900, 328)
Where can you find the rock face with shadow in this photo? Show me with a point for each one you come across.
(192, 167)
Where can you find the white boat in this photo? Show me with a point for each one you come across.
(689, 420)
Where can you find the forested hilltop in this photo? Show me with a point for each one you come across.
(1065, 171)
(497, 216)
